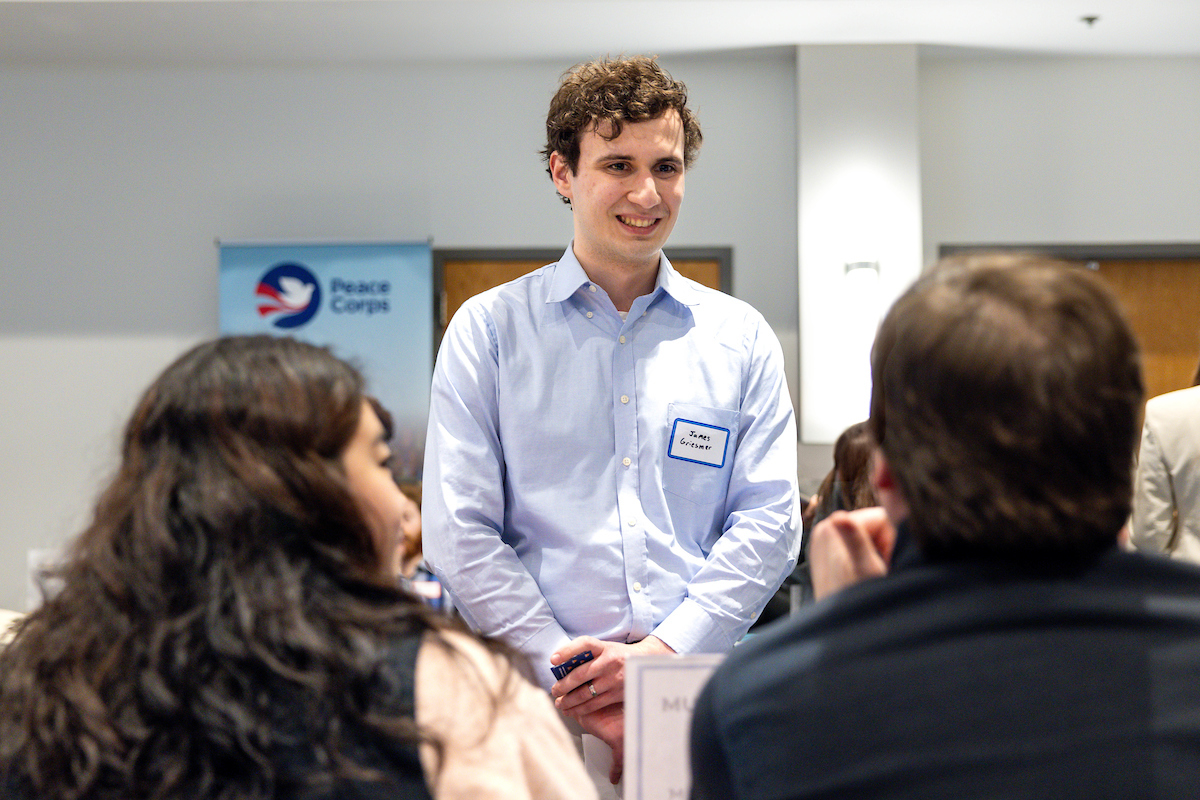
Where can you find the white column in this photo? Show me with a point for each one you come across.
(859, 201)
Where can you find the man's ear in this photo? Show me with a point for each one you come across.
(887, 491)
(881, 472)
(560, 173)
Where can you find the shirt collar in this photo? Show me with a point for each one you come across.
(569, 277)
(674, 284)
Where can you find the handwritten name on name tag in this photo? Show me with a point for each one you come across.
(697, 442)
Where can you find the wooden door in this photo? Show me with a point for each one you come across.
(463, 276)
(1161, 298)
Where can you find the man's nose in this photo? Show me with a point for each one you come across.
(644, 191)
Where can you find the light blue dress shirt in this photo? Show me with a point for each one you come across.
(586, 474)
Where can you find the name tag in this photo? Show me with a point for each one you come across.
(699, 443)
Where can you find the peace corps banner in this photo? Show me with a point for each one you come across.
(372, 304)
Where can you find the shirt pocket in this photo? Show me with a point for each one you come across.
(700, 446)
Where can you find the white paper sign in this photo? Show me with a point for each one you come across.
(659, 695)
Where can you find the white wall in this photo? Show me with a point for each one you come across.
(116, 183)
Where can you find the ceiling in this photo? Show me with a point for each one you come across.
(290, 32)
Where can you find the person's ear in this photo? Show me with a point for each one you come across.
(881, 473)
(560, 173)
(887, 491)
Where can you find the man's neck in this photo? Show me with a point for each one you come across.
(623, 283)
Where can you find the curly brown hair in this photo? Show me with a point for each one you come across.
(228, 566)
(615, 91)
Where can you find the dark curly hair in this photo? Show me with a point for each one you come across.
(616, 91)
(1006, 394)
(227, 566)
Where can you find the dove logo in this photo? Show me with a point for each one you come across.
(292, 295)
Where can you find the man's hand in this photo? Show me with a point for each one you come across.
(608, 725)
(594, 693)
(600, 682)
(848, 547)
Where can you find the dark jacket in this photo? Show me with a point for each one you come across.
(967, 680)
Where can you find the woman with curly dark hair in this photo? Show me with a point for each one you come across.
(228, 625)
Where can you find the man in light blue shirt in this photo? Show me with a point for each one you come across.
(611, 459)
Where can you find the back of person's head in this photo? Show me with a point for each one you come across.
(227, 556)
(852, 466)
(847, 486)
(605, 94)
(237, 447)
(1006, 396)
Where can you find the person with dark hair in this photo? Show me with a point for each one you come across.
(228, 625)
(409, 563)
(602, 97)
(412, 554)
(982, 634)
(847, 486)
(415, 572)
(1166, 497)
(611, 459)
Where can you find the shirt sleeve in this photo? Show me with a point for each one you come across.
(500, 737)
(463, 505)
(1153, 524)
(758, 546)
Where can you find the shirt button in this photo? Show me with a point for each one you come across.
(637, 587)
(590, 315)
(631, 522)
(622, 340)
(626, 461)
(592, 288)
(624, 398)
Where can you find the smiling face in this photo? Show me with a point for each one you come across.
(626, 192)
(369, 476)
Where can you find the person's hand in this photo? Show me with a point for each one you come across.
(810, 510)
(601, 681)
(608, 725)
(848, 547)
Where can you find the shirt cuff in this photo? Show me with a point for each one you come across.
(538, 649)
(689, 629)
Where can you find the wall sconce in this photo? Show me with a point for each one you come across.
(854, 266)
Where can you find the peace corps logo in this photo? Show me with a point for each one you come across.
(292, 292)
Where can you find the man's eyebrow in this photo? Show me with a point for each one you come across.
(613, 157)
(624, 157)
